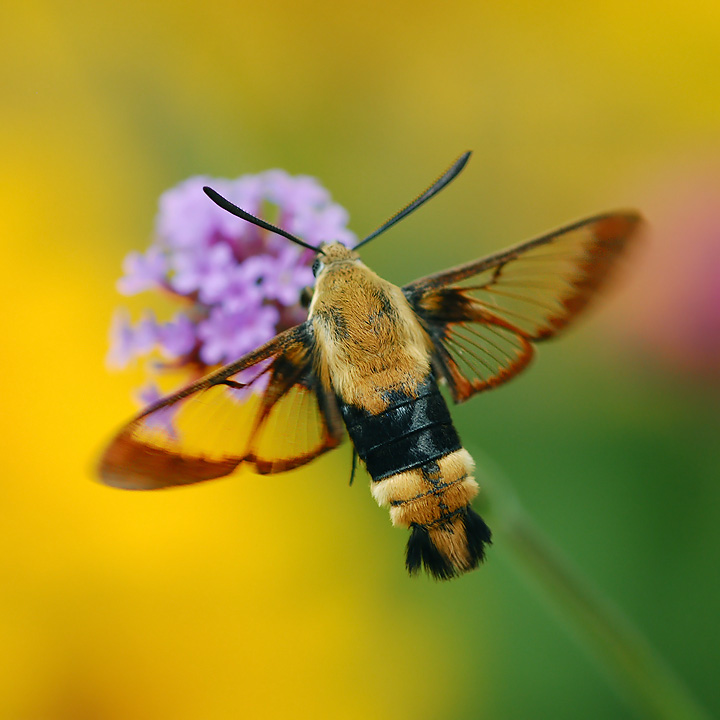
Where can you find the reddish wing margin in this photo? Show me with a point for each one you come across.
(207, 429)
(484, 316)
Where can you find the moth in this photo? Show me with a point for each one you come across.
(369, 360)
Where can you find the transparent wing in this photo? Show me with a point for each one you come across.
(268, 409)
(483, 315)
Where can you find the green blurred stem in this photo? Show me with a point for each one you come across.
(625, 655)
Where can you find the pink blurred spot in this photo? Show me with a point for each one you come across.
(671, 309)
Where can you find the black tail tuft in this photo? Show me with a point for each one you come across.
(478, 535)
(449, 549)
(421, 550)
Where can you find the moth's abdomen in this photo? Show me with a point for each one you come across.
(422, 473)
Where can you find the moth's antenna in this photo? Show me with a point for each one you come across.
(239, 212)
(450, 174)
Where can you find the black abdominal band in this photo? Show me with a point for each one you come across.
(410, 432)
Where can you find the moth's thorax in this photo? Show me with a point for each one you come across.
(369, 341)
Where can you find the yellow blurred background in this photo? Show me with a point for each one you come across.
(265, 598)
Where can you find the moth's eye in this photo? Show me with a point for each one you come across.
(317, 266)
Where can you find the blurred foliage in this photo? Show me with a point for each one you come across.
(260, 597)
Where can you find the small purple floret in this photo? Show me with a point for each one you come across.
(177, 337)
(127, 343)
(121, 352)
(227, 336)
(288, 277)
(143, 272)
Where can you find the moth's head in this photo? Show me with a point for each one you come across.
(332, 255)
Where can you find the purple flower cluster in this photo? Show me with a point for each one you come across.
(238, 284)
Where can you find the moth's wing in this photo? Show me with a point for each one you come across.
(484, 316)
(268, 409)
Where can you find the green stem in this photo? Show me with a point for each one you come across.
(625, 655)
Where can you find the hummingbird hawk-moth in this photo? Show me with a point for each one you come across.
(369, 360)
